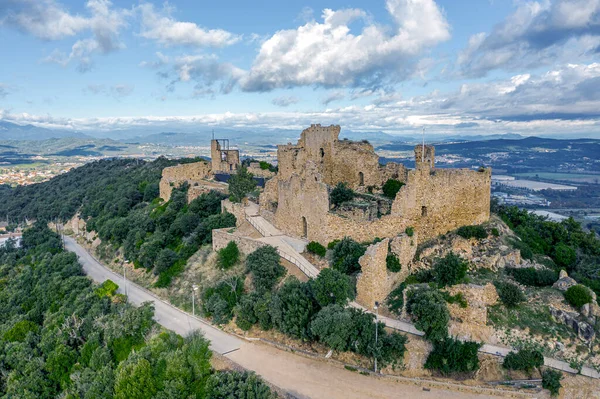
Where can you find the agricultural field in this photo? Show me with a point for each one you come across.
(571, 177)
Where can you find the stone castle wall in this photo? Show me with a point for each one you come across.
(222, 237)
(237, 209)
(175, 176)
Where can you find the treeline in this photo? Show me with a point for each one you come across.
(61, 336)
(567, 245)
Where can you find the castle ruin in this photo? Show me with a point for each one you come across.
(431, 201)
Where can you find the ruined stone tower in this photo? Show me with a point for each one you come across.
(424, 156)
(223, 158)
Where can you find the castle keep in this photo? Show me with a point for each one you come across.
(432, 201)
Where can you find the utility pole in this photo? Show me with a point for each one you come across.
(376, 307)
(124, 263)
(194, 289)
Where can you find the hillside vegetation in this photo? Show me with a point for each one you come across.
(61, 336)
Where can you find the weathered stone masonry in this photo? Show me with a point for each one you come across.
(433, 201)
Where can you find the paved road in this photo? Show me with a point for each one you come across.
(164, 313)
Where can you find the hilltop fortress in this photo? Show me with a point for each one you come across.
(431, 201)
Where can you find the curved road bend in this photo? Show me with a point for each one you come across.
(300, 376)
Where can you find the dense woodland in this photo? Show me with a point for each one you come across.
(62, 336)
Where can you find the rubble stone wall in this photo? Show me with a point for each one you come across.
(222, 237)
(237, 209)
(175, 176)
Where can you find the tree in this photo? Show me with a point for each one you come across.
(392, 263)
(340, 194)
(346, 254)
(244, 312)
(510, 294)
(292, 309)
(428, 307)
(450, 356)
(551, 381)
(332, 326)
(449, 270)
(135, 380)
(241, 184)
(238, 385)
(564, 256)
(524, 360)
(228, 256)
(391, 187)
(265, 268)
(331, 287)
(165, 259)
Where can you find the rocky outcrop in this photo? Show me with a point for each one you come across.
(583, 329)
(564, 282)
(471, 322)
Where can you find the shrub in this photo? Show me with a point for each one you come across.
(392, 263)
(220, 300)
(333, 326)
(495, 232)
(458, 298)
(346, 254)
(533, 277)
(509, 293)
(564, 256)
(107, 288)
(239, 385)
(578, 295)
(341, 193)
(524, 360)
(429, 309)
(551, 381)
(472, 232)
(453, 356)
(228, 256)
(449, 270)
(292, 309)
(241, 184)
(265, 268)
(19, 331)
(331, 286)
(410, 231)
(245, 317)
(165, 259)
(395, 299)
(391, 187)
(316, 248)
(332, 244)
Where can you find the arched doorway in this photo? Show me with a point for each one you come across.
(361, 179)
(304, 228)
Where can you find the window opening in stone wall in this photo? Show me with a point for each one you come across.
(304, 228)
(361, 178)
(423, 211)
(322, 152)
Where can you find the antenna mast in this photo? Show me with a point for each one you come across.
(423, 149)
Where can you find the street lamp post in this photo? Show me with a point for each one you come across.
(376, 307)
(125, 276)
(194, 289)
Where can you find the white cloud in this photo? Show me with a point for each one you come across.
(116, 91)
(3, 90)
(536, 33)
(168, 32)
(285, 101)
(329, 54)
(336, 95)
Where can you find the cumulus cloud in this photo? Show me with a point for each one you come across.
(161, 27)
(49, 20)
(536, 33)
(329, 54)
(285, 101)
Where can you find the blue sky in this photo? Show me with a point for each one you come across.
(468, 67)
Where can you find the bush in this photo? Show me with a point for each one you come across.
(265, 268)
(228, 256)
(533, 277)
(578, 295)
(346, 254)
(292, 309)
(395, 299)
(564, 256)
(19, 331)
(391, 187)
(333, 326)
(392, 263)
(166, 258)
(472, 232)
(429, 309)
(331, 286)
(107, 288)
(551, 381)
(453, 356)
(332, 244)
(457, 298)
(523, 360)
(509, 293)
(245, 317)
(410, 231)
(449, 270)
(316, 248)
(495, 232)
(341, 193)
(241, 184)
(239, 385)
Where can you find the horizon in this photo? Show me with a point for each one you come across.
(394, 66)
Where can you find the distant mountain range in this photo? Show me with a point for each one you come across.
(12, 131)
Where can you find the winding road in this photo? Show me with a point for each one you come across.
(299, 376)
